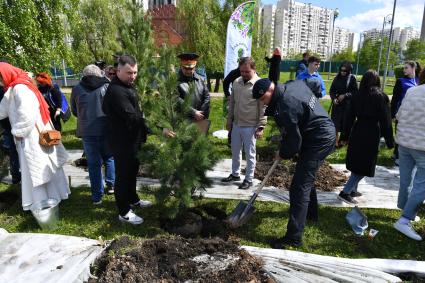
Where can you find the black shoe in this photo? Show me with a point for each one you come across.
(284, 243)
(245, 185)
(346, 198)
(110, 189)
(231, 178)
(355, 194)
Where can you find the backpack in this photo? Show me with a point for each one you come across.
(65, 111)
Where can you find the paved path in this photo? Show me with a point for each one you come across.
(378, 192)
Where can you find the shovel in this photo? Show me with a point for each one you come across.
(244, 210)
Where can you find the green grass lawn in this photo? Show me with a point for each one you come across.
(330, 236)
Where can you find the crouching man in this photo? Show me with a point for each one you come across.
(307, 131)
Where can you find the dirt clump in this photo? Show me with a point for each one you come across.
(327, 178)
(176, 259)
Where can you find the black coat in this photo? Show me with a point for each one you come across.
(306, 127)
(229, 79)
(126, 124)
(201, 97)
(341, 86)
(274, 70)
(53, 97)
(369, 113)
(4, 123)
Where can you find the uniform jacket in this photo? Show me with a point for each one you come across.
(201, 97)
(305, 125)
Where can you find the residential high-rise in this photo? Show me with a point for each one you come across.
(402, 36)
(342, 38)
(351, 41)
(299, 27)
(268, 23)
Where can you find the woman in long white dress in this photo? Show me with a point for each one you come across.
(41, 167)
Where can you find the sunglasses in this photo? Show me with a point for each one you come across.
(112, 73)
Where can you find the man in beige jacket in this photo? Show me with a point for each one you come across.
(246, 120)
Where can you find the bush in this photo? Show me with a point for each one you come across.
(398, 71)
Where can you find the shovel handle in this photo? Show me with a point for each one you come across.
(263, 183)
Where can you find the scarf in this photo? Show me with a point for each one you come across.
(13, 76)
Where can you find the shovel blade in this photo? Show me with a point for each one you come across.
(240, 215)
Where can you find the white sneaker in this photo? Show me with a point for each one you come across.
(407, 230)
(142, 204)
(417, 219)
(131, 218)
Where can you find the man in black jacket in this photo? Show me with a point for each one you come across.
(307, 131)
(126, 132)
(200, 109)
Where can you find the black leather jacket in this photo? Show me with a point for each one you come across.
(201, 97)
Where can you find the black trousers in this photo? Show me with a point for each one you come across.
(126, 169)
(303, 198)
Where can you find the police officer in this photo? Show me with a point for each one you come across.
(308, 132)
(200, 108)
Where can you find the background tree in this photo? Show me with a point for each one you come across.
(344, 55)
(93, 30)
(135, 36)
(203, 30)
(32, 32)
(415, 50)
(369, 54)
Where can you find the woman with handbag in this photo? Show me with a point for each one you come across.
(343, 87)
(53, 97)
(41, 165)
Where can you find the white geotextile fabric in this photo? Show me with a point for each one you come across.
(31, 257)
(293, 266)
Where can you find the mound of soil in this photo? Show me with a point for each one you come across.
(175, 259)
(205, 221)
(327, 178)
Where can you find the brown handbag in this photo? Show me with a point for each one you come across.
(49, 137)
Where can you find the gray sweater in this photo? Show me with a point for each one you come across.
(86, 105)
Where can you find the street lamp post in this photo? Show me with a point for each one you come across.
(382, 39)
(358, 52)
(389, 45)
(336, 13)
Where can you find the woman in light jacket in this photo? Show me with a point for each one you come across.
(411, 141)
(41, 167)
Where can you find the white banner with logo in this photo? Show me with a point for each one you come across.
(239, 35)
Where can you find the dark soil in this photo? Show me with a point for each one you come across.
(204, 221)
(175, 259)
(327, 178)
(7, 199)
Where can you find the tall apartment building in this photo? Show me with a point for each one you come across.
(299, 27)
(268, 13)
(401, 36)
(343, 39)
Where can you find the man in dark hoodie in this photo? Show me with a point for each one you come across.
(307, 131)
(86, 105)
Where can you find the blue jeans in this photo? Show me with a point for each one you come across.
(408, 159)
(97, 153)
(352, 183)
(9, 145)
